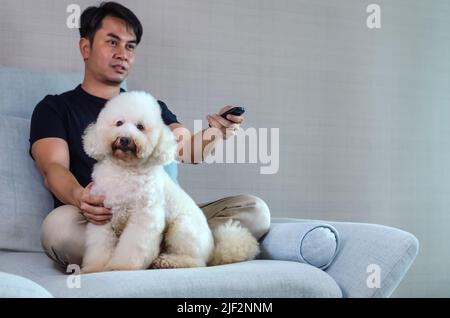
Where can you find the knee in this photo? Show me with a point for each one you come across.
(260, 215)
(54, 225)
(57, 233)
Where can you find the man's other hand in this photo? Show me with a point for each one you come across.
(92, 208)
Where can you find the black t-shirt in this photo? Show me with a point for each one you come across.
(66, 116)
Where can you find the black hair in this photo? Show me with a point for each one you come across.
(91, 19)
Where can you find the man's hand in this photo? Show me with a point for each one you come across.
(92, 208)
(228, 126)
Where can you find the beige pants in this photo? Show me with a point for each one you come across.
(63, 230)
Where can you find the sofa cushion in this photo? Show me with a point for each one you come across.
(22, 89)
(24, 201)
(172, 170)
(254, 279)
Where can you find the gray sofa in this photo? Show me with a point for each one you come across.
(300, 258)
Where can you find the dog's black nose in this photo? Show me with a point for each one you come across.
(124, 141)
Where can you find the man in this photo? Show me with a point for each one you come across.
(109, 35)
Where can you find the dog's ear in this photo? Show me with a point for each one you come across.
(164, 151)
(92, 143)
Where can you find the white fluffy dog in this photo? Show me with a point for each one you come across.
(154, 223)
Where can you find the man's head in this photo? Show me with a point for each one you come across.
(109, 35)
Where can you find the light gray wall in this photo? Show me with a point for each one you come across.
(363, 114)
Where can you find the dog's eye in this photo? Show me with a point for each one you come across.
(119, 123)
(140, 127)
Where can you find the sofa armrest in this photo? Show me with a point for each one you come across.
(372, 259)
(311, 243)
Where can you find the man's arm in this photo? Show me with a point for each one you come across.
(186, 138)
(52, 160)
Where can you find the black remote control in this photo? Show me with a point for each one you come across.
(236, 111)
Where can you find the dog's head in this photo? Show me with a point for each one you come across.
(130, 131)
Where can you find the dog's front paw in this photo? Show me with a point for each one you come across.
(123, 265)
(93, 264)
(92, 268)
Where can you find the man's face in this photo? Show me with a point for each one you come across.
(111, 56)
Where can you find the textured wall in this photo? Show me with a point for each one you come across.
(363, 114)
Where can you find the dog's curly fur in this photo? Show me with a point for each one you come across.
(155, 223)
